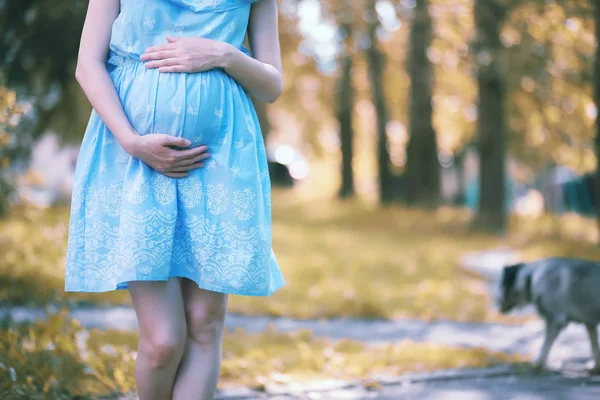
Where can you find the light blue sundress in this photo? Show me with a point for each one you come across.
(129, 222)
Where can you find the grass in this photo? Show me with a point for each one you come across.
(59, 359)
(340, 259)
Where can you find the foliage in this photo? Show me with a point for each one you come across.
(252, 358)
(551, 112)
(32, 253)
(549, 54)
(38, 53)
(546, 51)
(339, 259)
(52, 360)
(59, 359)
(14, 145)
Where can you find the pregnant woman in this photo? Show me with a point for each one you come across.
(171, 197)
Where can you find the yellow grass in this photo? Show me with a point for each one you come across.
(339, 259)
(43, 360)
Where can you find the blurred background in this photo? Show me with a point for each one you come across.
(410, 135)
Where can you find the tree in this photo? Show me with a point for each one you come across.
(550, 50)
(345, 110)
(38, 53)
(491, 213)
(597, 100)
(376, 67)
(15, 146)
(422, 165)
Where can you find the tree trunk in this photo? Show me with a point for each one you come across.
(461, 181)
(422, 164)
(376, 68)
(597, 100)
(491, 213)
(345, 108)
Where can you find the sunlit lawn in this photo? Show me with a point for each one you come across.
(339, 259)
(60, 360)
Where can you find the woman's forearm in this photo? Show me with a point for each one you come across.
(99, 88)
(262, 81)
(259, 75)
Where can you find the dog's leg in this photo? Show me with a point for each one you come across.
(593, 334)
(552, 331)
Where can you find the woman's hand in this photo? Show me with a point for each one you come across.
(156, 150)
(189, 54)
(260, 75)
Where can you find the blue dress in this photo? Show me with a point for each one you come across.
(129, 222)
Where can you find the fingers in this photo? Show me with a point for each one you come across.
(173, 39)
(160, 47)
(175, 174)
(191, 161)
(187, 164)
(158, 55)
(167, 62)
(184, 160)
(180, 142)
(182, 155)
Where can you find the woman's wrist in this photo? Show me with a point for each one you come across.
(129, 142)
(227, 55)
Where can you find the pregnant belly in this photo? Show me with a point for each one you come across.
(201, 107)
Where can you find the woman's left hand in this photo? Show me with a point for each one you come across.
(189, 54)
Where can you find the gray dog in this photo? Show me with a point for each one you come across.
(563, 290)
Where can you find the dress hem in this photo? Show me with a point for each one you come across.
(202, 285)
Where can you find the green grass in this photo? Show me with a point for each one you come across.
(339, 259)
(59, 359)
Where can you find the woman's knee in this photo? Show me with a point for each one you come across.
(163, 349)
(206, 320)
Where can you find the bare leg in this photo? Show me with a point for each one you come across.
(198, 373)
(593, 334)
(552, 331)
(161, 318)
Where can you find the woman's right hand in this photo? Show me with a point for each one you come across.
(155, 149)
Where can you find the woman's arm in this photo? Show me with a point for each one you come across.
(91, 71)
(260, 75)
(93, 77)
